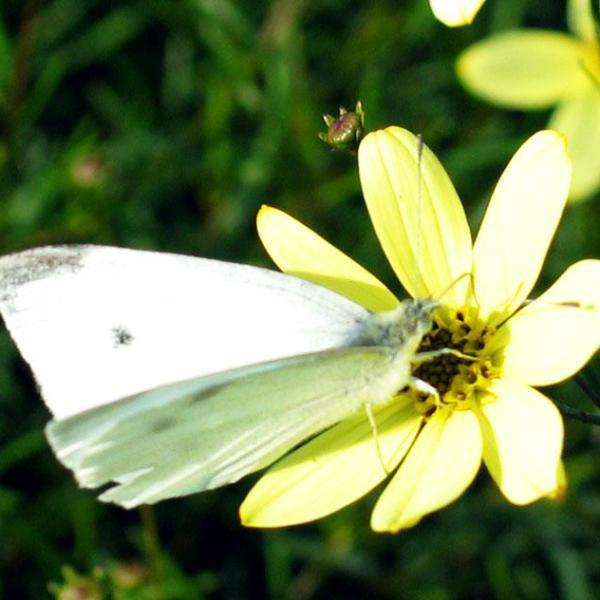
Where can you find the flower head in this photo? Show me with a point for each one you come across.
(487, 408)
(532, 69)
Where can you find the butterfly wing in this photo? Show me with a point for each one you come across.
(98, 323)
(210, 431)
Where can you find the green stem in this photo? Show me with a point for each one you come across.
(25, 46)
(152, 544)
(592, 393)
(579, 415)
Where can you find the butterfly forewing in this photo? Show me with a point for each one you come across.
(97, 323)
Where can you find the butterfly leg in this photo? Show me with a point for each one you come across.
(373, 423)
(422, 388)
(422, 357)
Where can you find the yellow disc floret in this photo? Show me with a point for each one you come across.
(458, 381)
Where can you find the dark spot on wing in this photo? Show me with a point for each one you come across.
(161, 425)
(570, 304)
(121, 336)
(206, 394)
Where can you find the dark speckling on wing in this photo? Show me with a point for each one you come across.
(32, 265)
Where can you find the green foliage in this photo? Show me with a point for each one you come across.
(165, 125)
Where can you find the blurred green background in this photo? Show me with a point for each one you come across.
(165, 124)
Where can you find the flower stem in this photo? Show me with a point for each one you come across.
(152, 543)
(579, 415)
(588, 388)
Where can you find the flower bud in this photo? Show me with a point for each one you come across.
(345, 131)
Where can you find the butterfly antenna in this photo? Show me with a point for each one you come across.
(457, 280)
(474, 292)
(561, 304)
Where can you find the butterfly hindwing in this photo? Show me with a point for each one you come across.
(213, 430)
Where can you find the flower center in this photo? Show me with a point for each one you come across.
(458, 381)
(440, 372)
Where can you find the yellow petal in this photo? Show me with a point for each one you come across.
(416, 213)
(523, 69)
(553, 337)
(331, 471)
(455, 13)
(297, 250)
(522, 442)
(580, 18)
(519, 223)
(439, 467)
(579, 120)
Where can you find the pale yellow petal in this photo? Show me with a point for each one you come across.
(579, 120)
(580, 18)
(554, 336)
(297, 250)
(416, 213)
(522, 442)
(519, 224)
(523, 69)
(439, 467)
(455, 13)
(331, 471)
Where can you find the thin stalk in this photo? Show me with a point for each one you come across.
(152, 545)
(579, 415)
(590, 390)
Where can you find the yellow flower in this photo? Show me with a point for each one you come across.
(455, 13)
(488, 409)
(535, 69)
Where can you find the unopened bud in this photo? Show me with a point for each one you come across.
(345, 131)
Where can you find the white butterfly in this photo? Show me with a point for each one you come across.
(168, 375)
